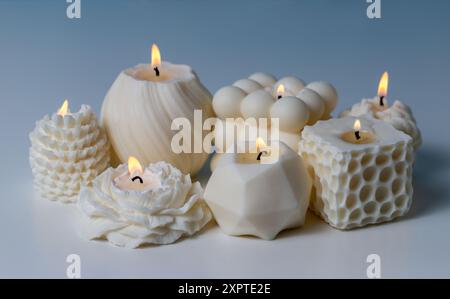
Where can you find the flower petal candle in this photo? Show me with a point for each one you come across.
(68, 150)
(260, 192)
(362, 170)
(138, 110)
(398, 115)
(131, 206)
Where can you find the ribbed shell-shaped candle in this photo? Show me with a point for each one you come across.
(67, 151)
(139, 109)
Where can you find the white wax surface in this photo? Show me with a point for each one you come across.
(167, 72)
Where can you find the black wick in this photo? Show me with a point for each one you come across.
(260, 154)
(357, 135)
(381, 100)
(156, 71)
(280, 96)
(138, 178)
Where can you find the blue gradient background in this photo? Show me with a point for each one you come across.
(46, 57)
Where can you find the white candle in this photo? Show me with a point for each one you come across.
(286, 99)
(67, 150)
(399, 115)
(259, 197)
(160, 207)
(358, 181)
(140, 106)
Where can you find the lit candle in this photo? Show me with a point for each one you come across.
(139, 108)
(67, 150)
(280, 91)
(361, 176)
(398, 114)
(259, 197)
(287, 100)
(156, 59)
(135, 179)
(358, 136)
(383, 88)
(131, 206)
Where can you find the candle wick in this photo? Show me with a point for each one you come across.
(357, 135)
(260, 154)
(138, 178)
(156, 71)
(381, 100)
(280, 96)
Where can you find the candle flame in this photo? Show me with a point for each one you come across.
(260, 143)
(134, 166)
(64, 108)
(383, 85)
(156, 56)
(357, 125)
(280, 89)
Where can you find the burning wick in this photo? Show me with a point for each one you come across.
(280, 91)
(156, 59)
(383, 87)
(357, 127)
(260, 144)
(135, 167)
(137, 178)
(260, 154)
(156, 71)
(381, 100)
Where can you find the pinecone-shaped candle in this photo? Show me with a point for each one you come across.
(67, 150)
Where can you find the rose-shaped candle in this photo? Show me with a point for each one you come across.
(130, 206)
(67, 150)
(140, 106)
(398, 115)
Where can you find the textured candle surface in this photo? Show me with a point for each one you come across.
(398, 115)
(67, 152)
(259, 96)
(159, 215)
(356, 184)
(139, 108)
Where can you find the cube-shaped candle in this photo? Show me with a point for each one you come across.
(362, 171)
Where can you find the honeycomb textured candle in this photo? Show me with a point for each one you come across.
(129, 218)
(358, 184)
(67, 152)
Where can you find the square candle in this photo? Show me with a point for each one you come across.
(362, 170)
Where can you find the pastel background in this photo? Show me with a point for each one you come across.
(46, 57)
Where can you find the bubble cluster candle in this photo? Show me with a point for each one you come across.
(289, 100)
(68, 150)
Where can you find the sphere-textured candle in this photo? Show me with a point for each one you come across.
(171, 208)
(358, 182)
(286, 99)
(67, 151)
